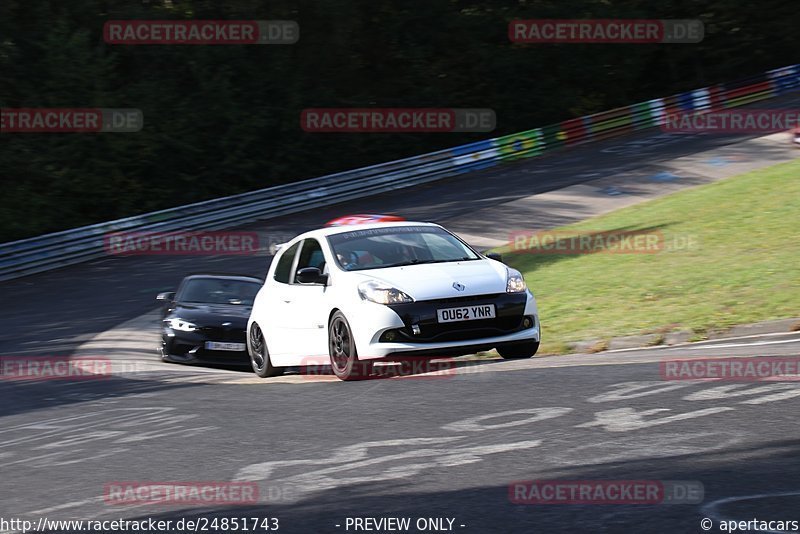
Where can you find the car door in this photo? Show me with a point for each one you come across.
(306, 309)
(278, 326)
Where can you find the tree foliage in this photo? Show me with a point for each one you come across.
(225, 119)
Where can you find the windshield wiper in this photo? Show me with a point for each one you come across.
(458, 259)
(420, 262)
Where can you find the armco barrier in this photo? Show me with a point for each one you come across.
(51, 251)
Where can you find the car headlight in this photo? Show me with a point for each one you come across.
(381, 293)
(180, 324)
(515, 283)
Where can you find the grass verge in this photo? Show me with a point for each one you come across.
(731, 255)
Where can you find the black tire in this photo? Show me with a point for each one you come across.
(518, 351)
(342, 350)
(259, 354)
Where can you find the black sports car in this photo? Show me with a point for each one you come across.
(205, 321)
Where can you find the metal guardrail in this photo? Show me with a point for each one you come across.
(51, 251)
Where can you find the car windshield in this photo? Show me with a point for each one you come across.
(395, 246)
(219, 291)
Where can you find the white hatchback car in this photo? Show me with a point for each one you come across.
(351, 295)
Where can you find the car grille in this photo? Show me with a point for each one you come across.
(221, 333)
(509, 310)
(459, 300)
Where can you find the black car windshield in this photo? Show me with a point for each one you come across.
(395, 246)
(219, 291)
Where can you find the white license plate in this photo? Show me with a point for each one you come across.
(216, 345)
(466, 313)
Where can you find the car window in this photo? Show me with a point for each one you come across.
(311, 255)
(442, 247)
(397, 245)
(218, 291)
(284, 268)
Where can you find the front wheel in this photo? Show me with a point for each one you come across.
(342, 350)
(259, 355)
(519, 350)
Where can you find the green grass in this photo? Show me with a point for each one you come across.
(744, 267)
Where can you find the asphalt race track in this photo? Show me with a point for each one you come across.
(441, 446)
(52, 313)
(428, 446)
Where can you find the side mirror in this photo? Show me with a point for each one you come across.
(311, 275)
(494, 256)
(165, 297)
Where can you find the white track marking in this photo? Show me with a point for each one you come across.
(753, 344)
(355, 461)
(359, 451)
(472, 424)
(776, 392)
(634, 390)
(643, 446)
(627, 419)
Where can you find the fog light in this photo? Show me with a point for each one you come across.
(527, 322)
(390, 335)
(415, 329)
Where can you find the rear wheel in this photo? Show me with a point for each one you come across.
(259, 355)
(518, 351)
(342, 350)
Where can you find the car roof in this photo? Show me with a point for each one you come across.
(333, 230)
(364, 218)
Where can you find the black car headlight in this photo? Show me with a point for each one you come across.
(179, 324)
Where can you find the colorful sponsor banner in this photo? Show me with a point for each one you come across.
(520, 145)
(475, 156)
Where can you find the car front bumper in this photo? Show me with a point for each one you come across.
(409, 330)
(189, 348)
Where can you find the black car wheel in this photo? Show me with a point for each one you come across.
(259, 355)
(518, 351)
(342, 350)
